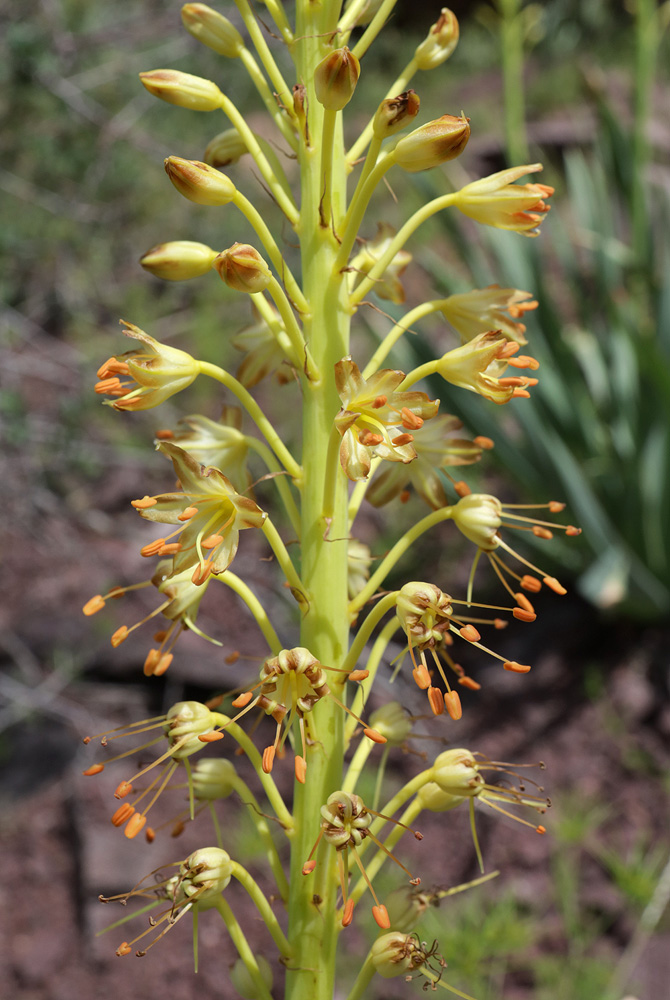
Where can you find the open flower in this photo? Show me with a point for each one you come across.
(375, 419)
(209, 512)
(496, 201)
(492, 308)
(220, 443)
(151, 374)
(479, 365)
(388, 285)
(435, 449)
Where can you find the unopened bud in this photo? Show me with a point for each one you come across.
(478, 517)
(396, 954)
(199, 182)
(395, 113)
(247, 987)
(441, 41)
(438, 141)
(182, 89)
(225, 148)
(214, 778)
(393, 722)
(178, 260)
(406, 907)
(184, 722)
(431, 797)
(456, 772)
(243, 268)
(212, 29)
(335, 79)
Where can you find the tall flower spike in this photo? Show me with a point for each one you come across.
(492, 308)
(479, 365)
(209, 514)
(375, 418)
(497, 201)
(389, 285)
(219, 443)
(150, 374)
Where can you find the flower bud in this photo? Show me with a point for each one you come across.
(396, 954)
(393, 722)
(225, 148)
(424, 613)
(478, 517)
(206, 872)
(199, 182)
(178, 260)
(243, 268)
(395, 113)
(406, 907)
(212, 29)
(431, 797)
(335, 79)
(213, 778)
(441, 41)
(438, 141)
(187, 719)
(244, 984)
(455, 772)
(182, 89)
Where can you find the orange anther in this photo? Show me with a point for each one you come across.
(402, 439)
(107, 385)
(435, 700)
(470, 633)
(521, 394)
(499, 623)
(368, 439)
(554, 585)
(153, 548)
(412, 421)
(177, 829)
(404, 496)
(379, 402)
(187, 513)
(484, 442)
(555, 506)
(300, 769)
(540, 829)
(516, 668)
(308, 867)
(524, 603)
(212, 737)
(421, 676)
(211, 541)
(200, 573)
(524, 361)
(115, 593)
(105, 368)
(119, 636)
(243, 699)
(151, 662)
(348, 913)
(123, 813)
(458, 669)
(511, 380)
(508, 349)
(469, 683)
(162, 665)
(571, 531)
(380, 913)
(160, 636)
(170, 549)
(233, 657)
(164, 435)
(93, 769)
(522, 615)
(149, 834)
(531, 583)
(268, 759)
(540, 532)
(96, 603)
(373, 735)
(358, 675)
(462, 489)
(452, 704)
(122, 789)
(135, 824)
(123, 949)
(144, 503)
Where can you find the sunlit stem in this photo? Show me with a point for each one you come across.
(276, 327)
(334, 472)
(263, 907)
(282, 556)
(359, 203)
(399, 240)
(264, 54)
(363, 979)
(398, 86)
(396, 553)
(372, 665)
(373, 866)
(269, 787)
(373, 29)
(293, 330)
(359, 491)
(255, 607)
(243, 948)
(256, 414)
(327, 137)
(255, 218)
(286, 203)
(263, 828)
(279, 480)
(273, 109)
(382, 607)
(423, 371)
(403, 325)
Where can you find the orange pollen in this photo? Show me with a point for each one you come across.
(421, 676)
(531, 583)
(95, 604)
(107, 385)
(268, 759)
(540, 829)
(233, 657)
(300, 769)
(462, 489)
(200, 574)
(93, 769)
(144, 503)
(402, 439)
(483, 442)
(165, 435)
(368, 439)
(554, 585)
(508, 349)
(170, 549)
(436, 701)
(358, 675)
(522, 615)
(524, 361)
(149, 835)
(572, 532)
(151, 662)
(123, 813)
(555, 506)
(373, 735)
(511, 380)
(521, 394)
(210, 737)
(187, 513)
(211, 541)
(381, 916)
(404, 496)
(470, 683)
(123, 949)
(524, 603)
(243, 699)
(540, 532)
(308, 867)
(379, 402)
(119, 636)
(105, 368)
(135, 824)
(162, 665)
(123, 789)
(411, 420)
(153, 548)
(452, 703)
(470, 633)
(516, 668)
(499, 623)
(348, 913)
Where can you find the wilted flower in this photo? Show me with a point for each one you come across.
(335, 79)
(492, 308)
(219, 443)
(264, 353)
(496, 201)
(388, 286)
(358, 565)
(395, 113)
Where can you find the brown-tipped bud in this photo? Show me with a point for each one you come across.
(395, 113)
(243, 268)
(335, 79)
(438, 141)
(212, 29)
(199, 182)
(182, 89)
(225, 148)
(441, 41)
(178, 260)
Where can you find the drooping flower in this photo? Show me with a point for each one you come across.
(375, 419)
(435, 448)
(479, 365)
(151, 373)
(388, 286)
(496, 201)
(219, 443)
(265, 349)
(492, 308)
